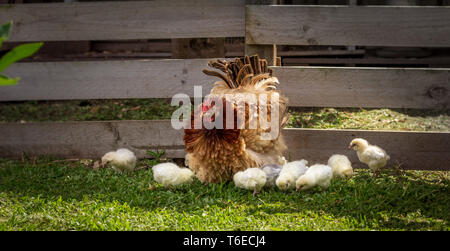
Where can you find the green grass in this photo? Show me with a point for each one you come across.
(148, 109)
(130, 109)
(371, 119)
(60, 195)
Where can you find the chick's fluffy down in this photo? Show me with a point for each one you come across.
(122, 160)
(290, 173)
(341, 165)
(317, 175)
(374, 156)
(169, 174)
(272, 172)
(251, 179)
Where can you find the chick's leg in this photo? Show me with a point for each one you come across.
(255, 192)
(376, 173)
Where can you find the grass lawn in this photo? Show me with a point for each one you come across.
(48, 194)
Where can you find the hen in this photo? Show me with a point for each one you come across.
(216, 154)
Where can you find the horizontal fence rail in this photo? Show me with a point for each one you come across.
(106, 79)
(304, 86)
(349, 25)
(261, 24)
(413, 150)
(125, 20)
(365, 87)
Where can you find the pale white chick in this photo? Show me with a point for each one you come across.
(122, 160)
(250, 179)
(371, 155)
(317, 175)
(341, 165)
(272, 172)
(170, 175)
(290, 173)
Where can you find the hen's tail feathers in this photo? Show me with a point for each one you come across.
(239, 71)
(285, 119)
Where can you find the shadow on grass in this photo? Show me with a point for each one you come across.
(391, 201)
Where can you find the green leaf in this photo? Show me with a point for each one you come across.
(18, 53)
(156, 154)
(5, 30)
(4, 80)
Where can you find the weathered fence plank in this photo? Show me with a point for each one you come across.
(348, 25)
(106, 79)
(438, 61)
(125, 20)
(89, 139)
(413, 150)
(304, 86)
(365, 87)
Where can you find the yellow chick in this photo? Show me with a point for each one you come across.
(122, 160)
(341, 165)
(371, 155)
(290, 173)
(316, 175)
(251, 179)
(169, 174)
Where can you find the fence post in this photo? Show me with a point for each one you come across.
(269, 52)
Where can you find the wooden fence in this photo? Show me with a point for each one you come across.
(262, 26)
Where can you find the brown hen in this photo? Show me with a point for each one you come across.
(216, 154)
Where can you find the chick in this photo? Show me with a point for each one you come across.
(122, 160)
(290, 173)
(283, 161)
(341, 165)
(251, 179)
(272, 172)
(373, 156)
(169, 174)
(316, 175)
